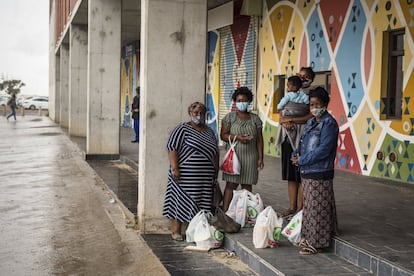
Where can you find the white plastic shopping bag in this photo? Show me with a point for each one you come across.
(231, 163)
(202, 233)
(266, 231)
(292, 230)
(254, 207)
(245, 207)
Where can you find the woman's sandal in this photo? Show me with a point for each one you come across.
(307, 249)
(177, 237)
(288, 214)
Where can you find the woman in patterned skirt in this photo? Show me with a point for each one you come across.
(193, 155)
(246, 128)
(315, 158)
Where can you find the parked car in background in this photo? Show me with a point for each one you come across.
(4, 100)
(36, 103)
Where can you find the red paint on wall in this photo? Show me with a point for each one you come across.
(239, 31)
(346, 156)
(303, 62)
(336, 106)
(333, 13)
(367, 57)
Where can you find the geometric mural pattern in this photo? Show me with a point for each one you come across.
(345, 38)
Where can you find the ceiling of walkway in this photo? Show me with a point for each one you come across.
(131, 17)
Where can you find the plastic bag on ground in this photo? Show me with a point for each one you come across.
(245, 207)
(292, 230)
(266, 232)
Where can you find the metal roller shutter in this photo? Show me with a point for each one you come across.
(237, 60)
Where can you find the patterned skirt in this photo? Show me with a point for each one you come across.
(319, 222)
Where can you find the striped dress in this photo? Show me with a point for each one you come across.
(247, 153)
(193, 192)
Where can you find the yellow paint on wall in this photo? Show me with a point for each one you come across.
(267, 70)
(291, 55)
(280, 19)
(404, 125)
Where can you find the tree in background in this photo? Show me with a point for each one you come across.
(11, 86)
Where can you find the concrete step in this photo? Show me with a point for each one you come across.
(342, 259)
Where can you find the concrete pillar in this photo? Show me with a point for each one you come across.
(54, 84)
(104, 55)
(173, 48)
(64, 85)
(78, 62)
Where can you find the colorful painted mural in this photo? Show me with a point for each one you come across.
(344, 38)
(129, 82)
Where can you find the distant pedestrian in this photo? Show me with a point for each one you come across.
(13, 106)
(315, 158)
(135, 115)
(193, 154)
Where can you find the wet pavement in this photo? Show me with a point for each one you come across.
(56, 216)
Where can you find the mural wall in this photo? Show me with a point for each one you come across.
(129, 82)
(345, 38)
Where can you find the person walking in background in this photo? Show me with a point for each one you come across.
(135, 115)
(246, 128)
(193, 155)
(315, 158)
(13, 106)
(289, 171)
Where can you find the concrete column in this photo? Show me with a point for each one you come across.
(54, 75)
(64, 85)
(78, 62)
(104, 55)
(173, 48)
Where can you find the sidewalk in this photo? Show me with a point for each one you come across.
(56, 215)
(375, 216)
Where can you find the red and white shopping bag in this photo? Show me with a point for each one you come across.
(231, 164)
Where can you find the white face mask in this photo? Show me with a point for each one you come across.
(242, 106)
(196, 120)
(318, 112)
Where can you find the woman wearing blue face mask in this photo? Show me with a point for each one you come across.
(315, 158)
(246, 128)
(193, 155)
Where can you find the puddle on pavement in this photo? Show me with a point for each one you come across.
(121, 179)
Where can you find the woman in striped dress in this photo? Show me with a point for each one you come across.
(193, 155)
(246, 128)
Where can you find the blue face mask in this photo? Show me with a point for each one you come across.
(242, 106)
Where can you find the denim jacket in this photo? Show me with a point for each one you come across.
(317, 148)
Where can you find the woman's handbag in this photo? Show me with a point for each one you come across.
(217, 194)
(223, 222)
(231, 163)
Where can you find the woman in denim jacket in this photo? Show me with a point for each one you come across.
(315, 158)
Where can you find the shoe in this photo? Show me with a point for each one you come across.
(288, 214)
(307, 249)
(134, 141)
(177, 237)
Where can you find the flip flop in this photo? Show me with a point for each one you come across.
(177, 237)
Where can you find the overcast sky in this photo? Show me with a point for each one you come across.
(24, 29)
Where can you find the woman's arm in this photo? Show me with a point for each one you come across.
(260, 163)
(175, 167)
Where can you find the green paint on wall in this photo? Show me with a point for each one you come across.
(269, 138)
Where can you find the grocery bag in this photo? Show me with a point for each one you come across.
(202, 233)
(292, 230)
(231, 163)
(245, 207)
(266, 231)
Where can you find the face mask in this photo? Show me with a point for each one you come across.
(318, 112)
(196, 120)
(242, 106)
